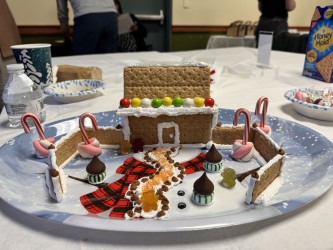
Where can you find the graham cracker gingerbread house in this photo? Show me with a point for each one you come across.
(168, 125)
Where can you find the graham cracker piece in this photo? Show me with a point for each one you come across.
(72, 72)
(67, 148)
(316, 15)
(325, 67)
(264, 146)
(193, 128)
(107, 135)
(228, 135)
(266, 179)
(161, 81)
(168, 135)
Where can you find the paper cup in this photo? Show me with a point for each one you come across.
(36, 59)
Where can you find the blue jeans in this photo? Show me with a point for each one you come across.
(95, 33)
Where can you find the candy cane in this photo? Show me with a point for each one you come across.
(261, 100)
(247, 123)
(82, 127)
(37, 124)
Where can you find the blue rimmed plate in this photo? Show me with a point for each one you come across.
(307, 174)
(324, 113)
(75, 90)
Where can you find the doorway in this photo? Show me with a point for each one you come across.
(168, 133)
(156, 16)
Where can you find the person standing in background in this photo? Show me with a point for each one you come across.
(134, 40)
(274, 16)
(95, 25)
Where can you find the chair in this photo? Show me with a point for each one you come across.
(9, 35)
(290, 42)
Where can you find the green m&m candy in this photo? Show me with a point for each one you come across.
(178, 101)
(156, 103)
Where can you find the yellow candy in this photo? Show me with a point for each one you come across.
(136, 102)
(167, 101)
(199, 102)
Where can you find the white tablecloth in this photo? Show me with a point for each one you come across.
(238, 83)
(220, 41)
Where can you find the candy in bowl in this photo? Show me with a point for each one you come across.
(312, 103)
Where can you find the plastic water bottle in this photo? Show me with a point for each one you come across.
(20, 96)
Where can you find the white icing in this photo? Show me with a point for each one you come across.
(183, 64)
(57, 185)
(126, 129)
(218, 146)
(170, 111)
(257, 156)
(265, 198)
(45, 143)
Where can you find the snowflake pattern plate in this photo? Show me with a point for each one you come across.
(307, 174)
(75, 90)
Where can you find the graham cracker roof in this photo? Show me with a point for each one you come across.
(151, 81)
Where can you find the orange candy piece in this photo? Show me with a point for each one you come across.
(149, 201)
(125, 147)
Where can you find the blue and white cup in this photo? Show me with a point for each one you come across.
(36, 59)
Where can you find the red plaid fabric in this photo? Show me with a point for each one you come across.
(103, 198)
(112, 196)
(194, 165)
(119, 210)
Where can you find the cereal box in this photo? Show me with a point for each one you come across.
(319, 52)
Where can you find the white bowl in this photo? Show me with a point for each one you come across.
(310, 110)
(75, 90)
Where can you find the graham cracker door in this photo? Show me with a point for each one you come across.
(168, 135)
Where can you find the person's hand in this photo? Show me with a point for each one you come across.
(134, 26)
(67, 37)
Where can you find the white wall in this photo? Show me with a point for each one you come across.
(223, 12)
(185, 12)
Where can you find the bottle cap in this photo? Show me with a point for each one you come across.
(14, 67)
